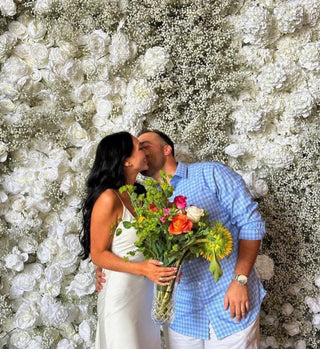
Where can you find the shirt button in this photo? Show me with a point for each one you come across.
(199, 283)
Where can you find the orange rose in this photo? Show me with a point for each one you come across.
(153, 207)
(180, 224)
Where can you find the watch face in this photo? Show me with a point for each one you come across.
(242, 279)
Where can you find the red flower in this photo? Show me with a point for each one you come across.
(153, 207)
(180, 224)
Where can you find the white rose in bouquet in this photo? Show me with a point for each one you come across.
(316, 321)
(87, 330)
(71, 72)
(264, 266)
(66, 344)
(299, 103)
(194, 213)
(313, 304)
(287, 309)
(272, 77)
(52, 312)
(73, 244)
(8, 7)
(26, 316)
(34, 270)
(43, 6)
(47, 249)
(312, 11)
(14, 69)
(40, 55)
(292, 328)
(101, 89)
(67, 261)
(49, 289)
(104, 107)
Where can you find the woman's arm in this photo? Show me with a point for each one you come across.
(104, 219)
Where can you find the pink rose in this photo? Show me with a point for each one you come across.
(180, 201)
(166, 212)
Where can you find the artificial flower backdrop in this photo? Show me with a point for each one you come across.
(230, 81)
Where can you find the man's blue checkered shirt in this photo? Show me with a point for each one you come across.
(200, 300)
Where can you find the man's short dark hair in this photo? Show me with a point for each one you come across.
(163, 136)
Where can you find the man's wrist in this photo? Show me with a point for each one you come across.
(241, 279)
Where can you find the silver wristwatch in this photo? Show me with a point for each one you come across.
(241, 279)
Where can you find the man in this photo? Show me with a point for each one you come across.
(211, 314)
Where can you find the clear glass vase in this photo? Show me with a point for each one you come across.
(163, 304)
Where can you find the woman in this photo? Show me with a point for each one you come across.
(124, 304)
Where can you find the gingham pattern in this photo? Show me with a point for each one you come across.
(223, 194)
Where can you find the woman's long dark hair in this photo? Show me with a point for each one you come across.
(107, 172)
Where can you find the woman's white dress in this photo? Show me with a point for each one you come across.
(124, 304)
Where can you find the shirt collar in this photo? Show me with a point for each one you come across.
(181, 172)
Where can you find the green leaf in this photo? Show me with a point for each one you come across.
(215, 268)
(127, 224)
(118, 231)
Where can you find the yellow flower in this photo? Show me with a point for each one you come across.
(219, 243)
(140, 219)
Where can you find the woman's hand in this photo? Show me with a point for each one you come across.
(160, 275)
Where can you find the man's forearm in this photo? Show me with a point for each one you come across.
(248, 251)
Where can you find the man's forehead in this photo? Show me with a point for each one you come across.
(147, 137)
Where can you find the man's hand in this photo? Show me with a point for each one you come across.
(237, 299)
(100, 279)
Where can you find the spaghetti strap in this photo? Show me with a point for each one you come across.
(124, 206)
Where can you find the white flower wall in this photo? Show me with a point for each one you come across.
(238, 83)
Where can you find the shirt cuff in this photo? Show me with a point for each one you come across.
(252, 231)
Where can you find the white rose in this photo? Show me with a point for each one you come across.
(255, 56)
(36, 30)
(3, 199)
(22, 283)
(53, 274)
(40, 55)
(292, 328)
(81, 160)
(47, 249)
(313, 304)
(312, 11)
(67, 261)
(300, 344)
(18, 29)
(48, 174)
(255, 25)
(67, 183)
(26, 316)
(34, 270)
(103, 124)
(309, 56)
(140, 99)
(97, 42)
(19, 339)
(88, 65)
(22, 51)
(299, 103)
(104, 107)
(317, 281)
(16, 259)
(66, 344)
(43, 6)
(52, 290)
(10, 91)
(235, 150)
(77, 135)
(287, 309)
(272, 77)
(15, 69)
(86, 330)
(155, 61)
(289, 16)
(194, 213)
(119, 49)
(35, 343)
(6, 107)
(101, 89)
(82, 93)
(316, 321)
(8, 7)
(260, 188)
(83, 284)
(7, 42)
(3, 151)
(264, 266)
(73, 244)
(71, 71)
(54, 313)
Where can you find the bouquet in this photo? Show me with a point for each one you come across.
(171, 232)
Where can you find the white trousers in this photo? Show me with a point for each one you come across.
(249, 338)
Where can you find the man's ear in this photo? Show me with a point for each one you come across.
(167, 150)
